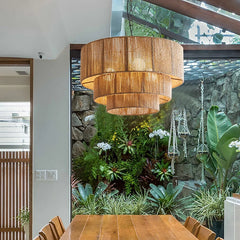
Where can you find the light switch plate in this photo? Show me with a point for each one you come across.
(40, 175)
(51, 175)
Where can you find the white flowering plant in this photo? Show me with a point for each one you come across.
(235, 144)
(159, 133)
(102, 146)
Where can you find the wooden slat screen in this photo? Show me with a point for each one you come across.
(14, 192)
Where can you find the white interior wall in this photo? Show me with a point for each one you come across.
(51, 139)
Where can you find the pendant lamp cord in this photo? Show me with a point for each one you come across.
(130, 9)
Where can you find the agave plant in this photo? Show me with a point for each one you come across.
(82, 194)
(87, 201)
(165, 200)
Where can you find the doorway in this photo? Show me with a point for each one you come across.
(16, 78)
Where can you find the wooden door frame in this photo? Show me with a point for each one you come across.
(5, 61)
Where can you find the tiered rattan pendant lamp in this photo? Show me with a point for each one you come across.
(132, 75)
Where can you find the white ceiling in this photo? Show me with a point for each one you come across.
(9, 77)
(31, 26)
(12, 71)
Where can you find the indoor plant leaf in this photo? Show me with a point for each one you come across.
(217, 124)
(228, 155)
(82, 192)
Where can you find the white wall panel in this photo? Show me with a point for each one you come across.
(51, 139)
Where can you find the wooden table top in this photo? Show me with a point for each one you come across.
(126, 227)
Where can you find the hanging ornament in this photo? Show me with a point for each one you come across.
(172, 142)
(202, 148)
(183, 131)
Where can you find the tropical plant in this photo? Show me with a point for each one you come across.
(162, 171)
(116, 205)
(220, 133)
(166, 201)
(234, 182)
(136, 204)
(82, 194)
(112, 172)
(23, 216)
(127, 144)
(124, 164)
(88, 202)
(141, 205)
(208, 205)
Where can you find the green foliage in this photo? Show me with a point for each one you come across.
(82, 194)
(131, 146)
(220, 132)
(208, 205)
(166, 201)
(86, 167)
(217, 124)
(88, 202)
(106, 124)
(233, 183)
(111, 172)
(23, 216)
(102, 202)
(127, 144)
(131, 205)
(162, 171)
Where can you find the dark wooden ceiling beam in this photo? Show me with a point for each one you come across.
(192, 51)
(232, 6)
(216, 47)
(202, 14)
(163, 31)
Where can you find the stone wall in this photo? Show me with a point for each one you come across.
(223, 92)
(82, 121)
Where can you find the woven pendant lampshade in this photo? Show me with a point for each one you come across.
(124, 70)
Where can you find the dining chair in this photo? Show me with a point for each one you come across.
(191, 224)
(47, 233)
(37, 238)
(204, 233)
(57, 226)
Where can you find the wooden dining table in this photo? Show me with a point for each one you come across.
(126, 227)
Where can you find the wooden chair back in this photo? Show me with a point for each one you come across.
(219, 238)
(47, 233)
(204, 233)
(192, 225)
(57, 226)
(37, 238)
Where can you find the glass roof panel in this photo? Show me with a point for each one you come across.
(162, 22)
(215, 9)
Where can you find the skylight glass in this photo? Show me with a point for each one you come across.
(151, 20)
(215, 9)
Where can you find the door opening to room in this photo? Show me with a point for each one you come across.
(15, 150)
